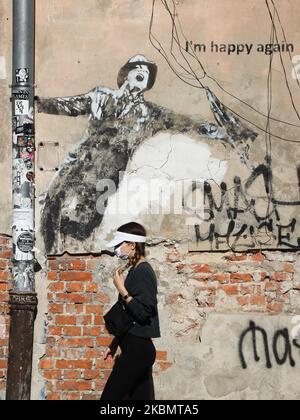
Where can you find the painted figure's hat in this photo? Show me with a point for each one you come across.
(138, 60)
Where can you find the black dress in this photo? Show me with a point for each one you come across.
(132, 377)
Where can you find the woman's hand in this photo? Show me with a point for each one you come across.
(119, 281)
(111, 350)
(108, 354)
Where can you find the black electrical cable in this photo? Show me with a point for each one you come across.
(162, 51)
(284, 36)
(268, 129)
(230, 94)
(282, 62)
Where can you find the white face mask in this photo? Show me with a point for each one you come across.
(120, 254)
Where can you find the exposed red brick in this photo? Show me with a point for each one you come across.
(241, 278)
(259, 258)
(243, 301)
(201, 268)
(161, 355)
(99, 320)
(68, 265)
(234, 258)
(84, 319)
(65, 320)
(52, 275)
(279, 276)
(72, 331)
(94, 309)
(230, 290)
(54, 396)
(91, 374)
(6, 254)
(3, 265)
(76, 276)
(289, 268)
(46, 364)
(56, 308)
(164, 365)
(5, 241)
(4, 276)
(221, 278)
(272, 286)
(77, 335)
(104, 341)
(74, 364)
(92, 331)
(72, 297)
(76, 342)
(72, 374)
(74, 385)
(3, 364)
(75, 287)
(56, 331)
(275, 307)
(246, 290)
(258, 300)
(92, 288)
(56, 287)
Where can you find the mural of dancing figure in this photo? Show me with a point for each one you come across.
(119, 122)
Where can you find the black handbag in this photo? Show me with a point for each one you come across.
(117, 320)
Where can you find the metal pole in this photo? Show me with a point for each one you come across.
(23, 299)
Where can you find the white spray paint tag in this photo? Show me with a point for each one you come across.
(3, 74)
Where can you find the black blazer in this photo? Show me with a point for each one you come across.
(141, 284)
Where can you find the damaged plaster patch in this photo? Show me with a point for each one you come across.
(225, 383)
(3, 74)
(152, 175)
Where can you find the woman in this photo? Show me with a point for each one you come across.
(131, 377)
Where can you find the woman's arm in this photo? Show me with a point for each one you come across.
(142, 304)
(114, 346)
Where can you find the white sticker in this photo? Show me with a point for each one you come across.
(21, 107)
(3, 74)
(23, 218)
(22, 75)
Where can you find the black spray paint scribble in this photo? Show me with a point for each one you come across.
(119, 121)
(281, 340)
(246, 226)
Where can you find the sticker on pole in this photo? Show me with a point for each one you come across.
(22, 75)
(25, 242)
(21, 107)
(21, 95)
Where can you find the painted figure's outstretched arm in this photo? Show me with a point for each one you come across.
(225, 118)
(72, 106)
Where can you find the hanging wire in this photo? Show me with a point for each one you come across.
(268, 137)
(191, 74)
(284, 36)
(159, 47)
(282, 63)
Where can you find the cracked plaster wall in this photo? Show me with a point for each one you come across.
(210, 369)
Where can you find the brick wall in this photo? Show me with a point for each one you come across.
(190, 284)
(259, 282)
(73, 366)
(5, 286)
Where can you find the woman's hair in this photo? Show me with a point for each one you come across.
(135, 229)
